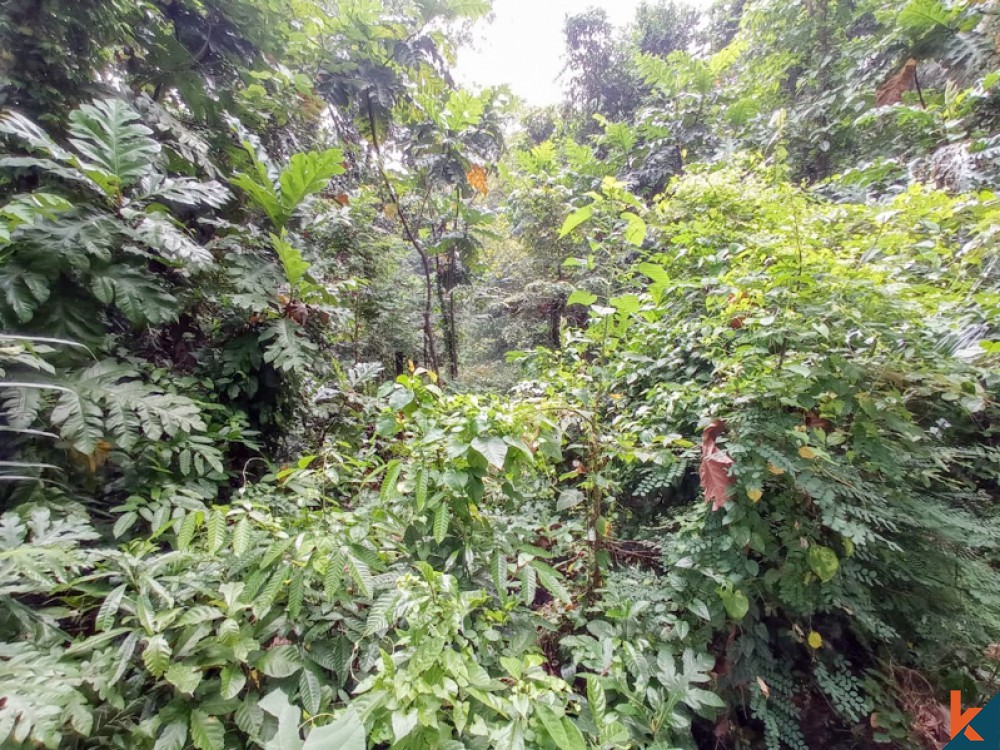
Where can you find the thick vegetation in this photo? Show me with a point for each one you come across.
(345, 408)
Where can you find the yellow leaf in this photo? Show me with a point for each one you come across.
(755, 494)
(815, 639)
(777, 471)
(806, 452)
(391, 210)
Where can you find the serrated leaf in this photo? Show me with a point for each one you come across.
(499, 570)
(388, 489)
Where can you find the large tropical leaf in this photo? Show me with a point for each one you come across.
(160, 233)
(118, 151)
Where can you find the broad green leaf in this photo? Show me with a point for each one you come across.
(569, 498)
(207, 732)
(232, 681)
(823, 561)
(156, 655)
(309, 692)
(635, 228)
(575, 219)
(736, 603)
(184, 677)
(581, 297)
(280, 661)
(345, 733)
(173, 736)
(493, 449)
(287, 736)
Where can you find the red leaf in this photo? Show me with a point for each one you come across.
(714, 469)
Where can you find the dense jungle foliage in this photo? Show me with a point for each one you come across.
(346, 408)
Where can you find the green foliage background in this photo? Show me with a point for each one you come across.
(344, 407)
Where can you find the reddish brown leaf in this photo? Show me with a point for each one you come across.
(891, 92)
(714, 469)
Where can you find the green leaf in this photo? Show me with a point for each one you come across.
(346, 733)
(207, 732)
(596, 699)
(117, 151)
(361, 575)
(569, 498)
(575, 219)
(216, 531)
(232, 681)
(307, 174)
(280, 661)
(635, 228)
(493, 449)
(736, 603)
(184, 677)
(295, 266)
(626, 304)
(551, 580)
(310, 694)
(173, 736)
(581, 297)
(823, 561)
(156, 655)
(441, 522)
(105, 619)
(561, 729)
(287, 736)
(388, 489)
(241, 537)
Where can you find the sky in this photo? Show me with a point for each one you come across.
(523, 46)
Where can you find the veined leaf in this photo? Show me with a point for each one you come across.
(346, 733)
(156, 655)
(117, 149)
(207, 732)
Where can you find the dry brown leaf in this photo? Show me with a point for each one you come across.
(715, 465)
(891, 92)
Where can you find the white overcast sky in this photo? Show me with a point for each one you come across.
(523, 46)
